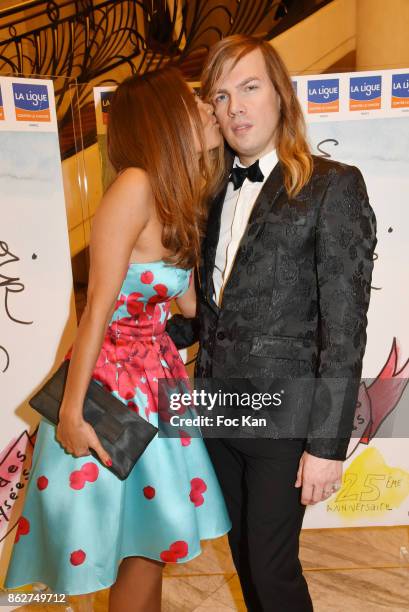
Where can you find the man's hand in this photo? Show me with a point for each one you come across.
(319, 478)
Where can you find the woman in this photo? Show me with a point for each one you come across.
(80, 522)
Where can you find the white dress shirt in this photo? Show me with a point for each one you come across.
(237, 207)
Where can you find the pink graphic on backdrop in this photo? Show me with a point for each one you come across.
(15, 464)
(379, 399)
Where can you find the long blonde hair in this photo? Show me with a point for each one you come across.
(152, 123)
(292, 147)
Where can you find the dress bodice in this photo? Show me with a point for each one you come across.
(143, 303)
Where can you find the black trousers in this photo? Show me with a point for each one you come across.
(257, 477)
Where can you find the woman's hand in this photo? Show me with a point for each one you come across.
(77, 436)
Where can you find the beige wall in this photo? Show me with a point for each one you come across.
(319, 41)
(83, 192)
(382, 34)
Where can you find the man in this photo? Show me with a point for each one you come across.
(284, 290)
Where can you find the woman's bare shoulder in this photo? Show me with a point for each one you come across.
(130, 194)
(124, 211)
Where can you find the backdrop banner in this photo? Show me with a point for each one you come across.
(37, 313)
(362, 119)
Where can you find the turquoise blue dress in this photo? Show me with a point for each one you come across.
(79, 520)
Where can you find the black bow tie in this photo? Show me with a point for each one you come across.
(253, 173)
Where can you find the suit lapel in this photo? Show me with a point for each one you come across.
(264, 203)
(266, 199)
(210, 244)
(212, 232)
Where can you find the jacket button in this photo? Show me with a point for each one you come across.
(220, 335)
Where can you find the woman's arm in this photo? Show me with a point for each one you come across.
(187, 302)
(121, 216)
(184, 328)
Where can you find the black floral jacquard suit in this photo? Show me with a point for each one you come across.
(294, 307)
(296, 300)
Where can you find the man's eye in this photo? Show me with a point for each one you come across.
(251, 87)
(219, 98)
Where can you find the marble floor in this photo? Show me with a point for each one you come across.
(348, 570)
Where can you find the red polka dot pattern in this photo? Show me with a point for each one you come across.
(177, 550)
(147, 277)
(89, 472)
(77, 557)
(198, 487)
(185, 438)
(23, 528)
(42, 483)
(149, 492)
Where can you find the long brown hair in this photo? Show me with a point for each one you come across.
(152, 124)
(292, 147)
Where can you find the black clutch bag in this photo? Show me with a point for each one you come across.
(123, 433)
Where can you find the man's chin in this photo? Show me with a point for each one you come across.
(241, 146)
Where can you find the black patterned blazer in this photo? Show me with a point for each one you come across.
(296, 301)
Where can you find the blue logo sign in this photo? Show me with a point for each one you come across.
(31, 97)
(400, 85)
(323, 91)
(365, 88)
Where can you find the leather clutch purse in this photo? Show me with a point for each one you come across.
(123, 433)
